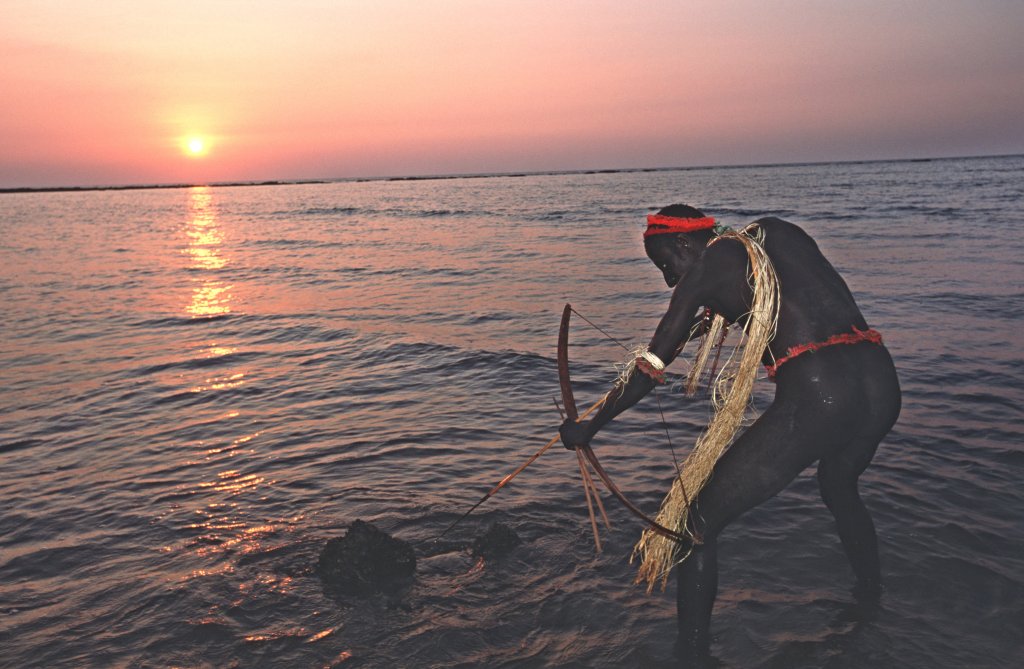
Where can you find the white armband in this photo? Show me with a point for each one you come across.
(654, 360)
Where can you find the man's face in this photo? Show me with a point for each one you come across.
(672, 254)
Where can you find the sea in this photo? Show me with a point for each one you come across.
(202, 386)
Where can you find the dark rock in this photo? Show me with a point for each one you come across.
(365, 560)
(496, 542)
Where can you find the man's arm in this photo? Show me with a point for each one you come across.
(673, 330)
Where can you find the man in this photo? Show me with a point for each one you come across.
(836, 394)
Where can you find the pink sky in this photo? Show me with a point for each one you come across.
(109, 91)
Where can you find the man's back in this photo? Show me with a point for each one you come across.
(815, 300)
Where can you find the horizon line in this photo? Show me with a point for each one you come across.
(476, 175)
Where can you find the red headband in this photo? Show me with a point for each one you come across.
(658, 224)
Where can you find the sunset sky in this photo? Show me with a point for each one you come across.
(127, 92)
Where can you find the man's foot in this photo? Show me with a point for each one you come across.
(692, 653)
(868, 593)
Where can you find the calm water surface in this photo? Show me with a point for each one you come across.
(200, 387)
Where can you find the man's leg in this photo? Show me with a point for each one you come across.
(763, 461)
(837, 480)
(695, 597)
(841, 465)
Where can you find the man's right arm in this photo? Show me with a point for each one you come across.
(672, 331)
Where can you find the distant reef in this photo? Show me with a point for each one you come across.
(489, 175)
(224, 184)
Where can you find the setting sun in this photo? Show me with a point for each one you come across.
(195, 146)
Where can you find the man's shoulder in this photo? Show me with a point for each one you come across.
(780, 231)
(722, 250)
(774, 228)
(776, 224)
(782, 239)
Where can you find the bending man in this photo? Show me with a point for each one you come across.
(836, 394)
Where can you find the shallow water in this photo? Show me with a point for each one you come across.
(202, 386)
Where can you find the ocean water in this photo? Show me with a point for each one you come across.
(201, 386)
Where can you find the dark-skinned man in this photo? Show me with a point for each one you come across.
(836, 395)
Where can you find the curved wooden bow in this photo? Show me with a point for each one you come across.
(570, 410)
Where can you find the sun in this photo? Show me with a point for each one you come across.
(195, 146)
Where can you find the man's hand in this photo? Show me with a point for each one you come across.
(574, 434)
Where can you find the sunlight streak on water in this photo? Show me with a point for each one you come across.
(211, 296)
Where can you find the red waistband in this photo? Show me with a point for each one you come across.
(855, 337)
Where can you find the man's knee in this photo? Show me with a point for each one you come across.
(837, 485)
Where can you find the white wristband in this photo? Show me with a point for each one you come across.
(654, 360)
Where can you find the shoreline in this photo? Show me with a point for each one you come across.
(491, 175)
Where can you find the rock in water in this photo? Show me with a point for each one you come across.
(366, 559)
(496, 542)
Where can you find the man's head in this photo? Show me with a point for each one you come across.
(675, 238)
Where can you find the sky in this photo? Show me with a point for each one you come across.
(115, 92)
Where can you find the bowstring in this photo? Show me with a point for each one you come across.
(598, 328)
(657, 397)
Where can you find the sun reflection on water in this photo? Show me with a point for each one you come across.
(220, 382)
(215, 351)
(211, 296)
(225, 527)
(225, 485)
(233, 482)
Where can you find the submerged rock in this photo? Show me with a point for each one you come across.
(496, 542)
(365, 560)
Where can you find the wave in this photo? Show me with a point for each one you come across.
(753, 214)
(342, 212)
(197, 363)
(284, 243)
(19, 444)
(182, 321)
(981, 305)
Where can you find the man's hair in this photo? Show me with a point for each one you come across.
(681, 211)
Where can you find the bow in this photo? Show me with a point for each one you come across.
(570, 409)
